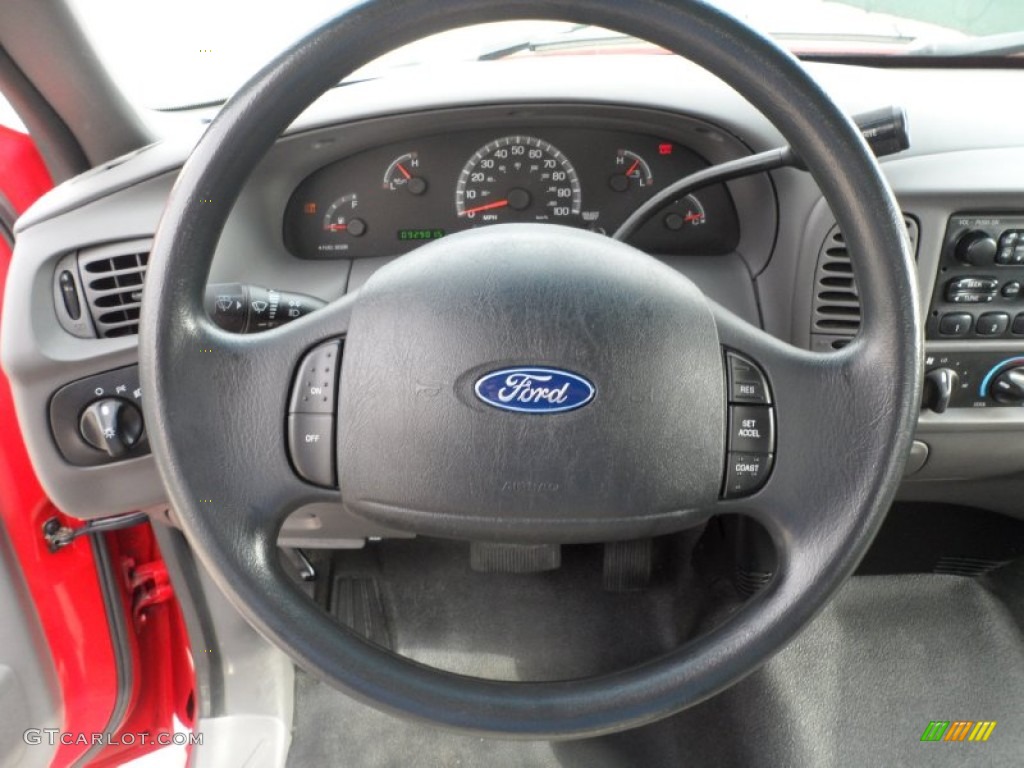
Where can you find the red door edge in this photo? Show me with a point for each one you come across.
(65, 585)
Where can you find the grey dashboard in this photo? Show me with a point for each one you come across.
(758, 248)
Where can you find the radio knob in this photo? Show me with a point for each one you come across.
(939, 384)
(977, 248)
(1008, 386)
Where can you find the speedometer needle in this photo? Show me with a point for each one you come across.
(485, 207)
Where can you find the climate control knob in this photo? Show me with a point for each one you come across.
(977, 248)
(112, 425)
(939, 384)
(1008, 386)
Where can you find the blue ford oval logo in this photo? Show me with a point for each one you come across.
(534, 390)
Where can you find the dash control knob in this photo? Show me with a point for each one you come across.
(939, 384)
(977, 248)
(112, 425)
(1008, 387)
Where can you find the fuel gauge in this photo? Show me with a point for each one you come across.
(631, 172)
(403, 173)
(339, 218)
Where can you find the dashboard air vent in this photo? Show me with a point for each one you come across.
(112, 278)
(835, 315)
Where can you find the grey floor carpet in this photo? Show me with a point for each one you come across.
(857, 688)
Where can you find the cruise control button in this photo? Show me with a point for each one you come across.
(955, 324)
(316, 380)
(311, 445)
(992, 324)
(746, 382)
(751, 429)
(746, 473)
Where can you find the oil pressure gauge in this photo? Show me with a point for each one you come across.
(403, 174)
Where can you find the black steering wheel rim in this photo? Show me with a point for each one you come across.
(869, 391)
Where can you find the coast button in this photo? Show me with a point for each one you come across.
(745, 473)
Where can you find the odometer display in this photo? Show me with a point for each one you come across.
(518, 179)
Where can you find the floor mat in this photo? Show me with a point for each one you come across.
(858, 687)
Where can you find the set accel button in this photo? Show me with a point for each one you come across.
(751, 429)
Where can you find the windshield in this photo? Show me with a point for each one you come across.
(193, 52)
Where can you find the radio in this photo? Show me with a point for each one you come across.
(979, 285)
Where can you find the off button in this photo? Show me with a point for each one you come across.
(311, 445)
(751, 429)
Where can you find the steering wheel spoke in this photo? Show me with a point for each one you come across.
(236, 410)
(826, 412)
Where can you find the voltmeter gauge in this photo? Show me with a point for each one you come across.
(631, 172)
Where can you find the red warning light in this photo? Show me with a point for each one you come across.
(665, 149)
(309, 208)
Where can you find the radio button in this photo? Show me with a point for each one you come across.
(955, 324)
(971, 298)
(973, 285)
(992, 324)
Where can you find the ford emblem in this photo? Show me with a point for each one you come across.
(534, 390)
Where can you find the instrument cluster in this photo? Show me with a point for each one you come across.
(387, 200)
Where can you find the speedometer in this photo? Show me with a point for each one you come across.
(518, 178)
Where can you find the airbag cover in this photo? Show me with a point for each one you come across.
(423, 445)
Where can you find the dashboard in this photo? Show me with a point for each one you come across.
(389, 199)
(376, 168)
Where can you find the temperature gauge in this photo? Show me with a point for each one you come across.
(340, 219)
(403, 173)
(631, 172)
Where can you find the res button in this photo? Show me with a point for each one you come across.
(747, 384)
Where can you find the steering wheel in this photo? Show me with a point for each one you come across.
(420, 446)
